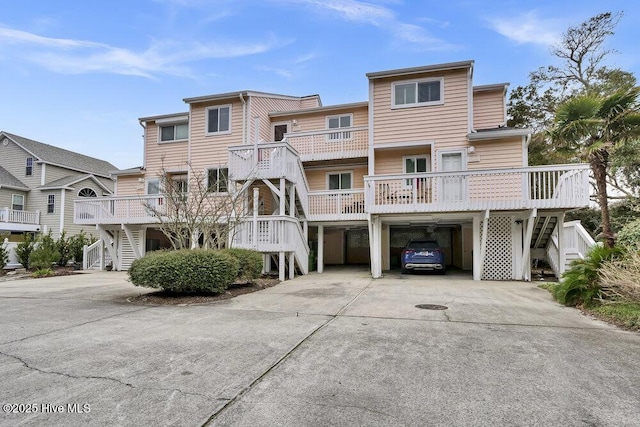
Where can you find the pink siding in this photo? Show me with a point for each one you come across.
(488, 109)
(311, 102)
(261, 107)
(504, 153)
(318, 120)
(129, 185)
(445, 124)
(317, 178)
(211, 150)
(167, 155)
(389, 162)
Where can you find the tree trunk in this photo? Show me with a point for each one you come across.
(599, 160)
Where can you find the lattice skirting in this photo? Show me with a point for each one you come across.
(498, 264)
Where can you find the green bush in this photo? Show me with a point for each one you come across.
(45, 253)
(43, 272)
(250, 263)
(24, 249)
(64, 249)
(580, 284)
(629, 236)
(185, 270)
(77, 244)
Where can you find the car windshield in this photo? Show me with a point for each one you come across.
(423, 244)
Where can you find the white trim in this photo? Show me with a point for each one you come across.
(417, 103)
(53, 211)
(23, 201)
(372, 154)
(470, 100)
(404, 144)
(497, 134)
(206, 119)
(206, 175)
(42, 174)
(350, 172)
(62, 201)
(525, 150)
(86, 197)
(174, 125)
(340, 133)
(273, 129)
(173, 120)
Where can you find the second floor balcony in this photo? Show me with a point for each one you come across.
(19, 220)
(329, 144)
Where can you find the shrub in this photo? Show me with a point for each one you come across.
(63, 248)
(77, 244)
(580, 284)
(250, 263)
(620, 279)
(629, 236)
(45, 253)
(24, 249)
(185, 271)
(43, 272)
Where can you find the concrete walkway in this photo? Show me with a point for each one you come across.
(332, 349)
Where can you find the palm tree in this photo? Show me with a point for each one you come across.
(592, 126)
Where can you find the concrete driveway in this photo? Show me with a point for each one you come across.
(332, 349)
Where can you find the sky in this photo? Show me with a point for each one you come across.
(79, 73)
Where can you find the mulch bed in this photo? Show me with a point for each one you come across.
(170, 298)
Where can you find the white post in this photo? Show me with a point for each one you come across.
(283, 196)
(292, 200)
(256, 199)
(292, 266)
(266, 263)
(320, 254)
(84, 257)
(476, 248)
(281, 261)
(376, 245)
(562, 255)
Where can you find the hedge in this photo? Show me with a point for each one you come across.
(250, 263)
(185, 270)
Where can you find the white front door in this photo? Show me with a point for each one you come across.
(452, 186)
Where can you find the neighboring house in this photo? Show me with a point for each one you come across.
(428, 155)
(38, 183)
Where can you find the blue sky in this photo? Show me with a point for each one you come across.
(78, 74)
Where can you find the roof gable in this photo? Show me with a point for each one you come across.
(10, 181)
(46, 153)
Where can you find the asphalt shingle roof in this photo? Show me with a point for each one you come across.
(64, 181)
(59, 156)
(6, 178)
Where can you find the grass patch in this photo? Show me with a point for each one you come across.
(626, 315)
(549, 286)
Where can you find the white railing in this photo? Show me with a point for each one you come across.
(577, 239)
(577, 242)
(330, 144)
(336, 205)
(116, 210)
(93, 256)
(19, 217)
(269, 161)
(557, 186)
(273, 234)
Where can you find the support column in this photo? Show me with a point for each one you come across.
(292, 265)
(283, 197)
(562, 253)
(256, 200)
(320, 259)
(376, 247)
(292, 200)
(476, 248)
(281, 265)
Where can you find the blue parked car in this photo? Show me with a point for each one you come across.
(422, 255)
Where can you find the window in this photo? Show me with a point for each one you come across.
(51, 203)
(337, 122)
(29, 169)
(219, 119)
(415, 164)
(153, 186)
(339, 180)
(279, 131)
(421, 92)
(217, 180)
(17, 202)
(87, 192)
(174, 132)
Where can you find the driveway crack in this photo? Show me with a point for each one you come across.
(104, 378)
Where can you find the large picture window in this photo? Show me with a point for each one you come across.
(219, 119)
(419, 92)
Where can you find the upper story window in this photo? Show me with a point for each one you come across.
(153, 186)
(339, 180)
(337, 122)
(17, 202)
(51, 203)
(87, 192)
(419, 92)
(218, 119)
(177, 132)
(217, 180)
(29, 169)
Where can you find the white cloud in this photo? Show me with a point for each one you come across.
(71, 56)
(528, 28)
(381, 17)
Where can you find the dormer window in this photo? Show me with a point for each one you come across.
(175, 132)
(418, 92)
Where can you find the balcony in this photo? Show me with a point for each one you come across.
(329, 144)
(19, 220)
(116, 210)
(342, 205)
(543, 187)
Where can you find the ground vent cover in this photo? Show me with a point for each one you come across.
(432, 307)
